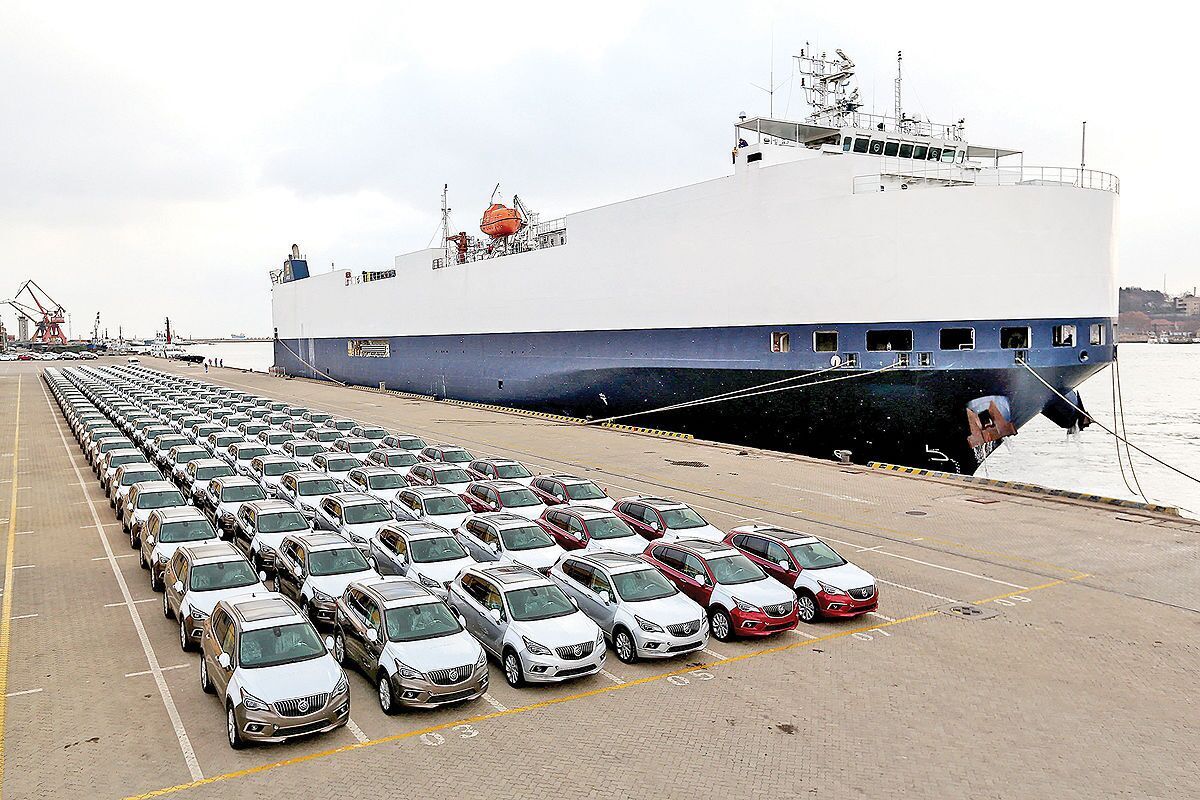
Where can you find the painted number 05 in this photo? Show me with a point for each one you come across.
(434, 739)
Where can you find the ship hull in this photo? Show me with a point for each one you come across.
(793, 401)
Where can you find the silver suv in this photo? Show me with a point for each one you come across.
(165, 530)
(198, 577)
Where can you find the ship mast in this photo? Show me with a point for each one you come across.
(445, 225)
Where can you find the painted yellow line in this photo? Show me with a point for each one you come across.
(6, 612)
(806, 643)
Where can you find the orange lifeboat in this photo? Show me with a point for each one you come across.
(499, 221)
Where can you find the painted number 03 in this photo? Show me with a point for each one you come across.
(683, 680)
(1012, 600)
(434, 739)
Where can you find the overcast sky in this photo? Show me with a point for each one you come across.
(158, 159)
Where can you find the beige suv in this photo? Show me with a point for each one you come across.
(275, 677)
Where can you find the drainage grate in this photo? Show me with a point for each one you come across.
(968, 611)
(917, 513)
(687, 463)
(984, 501)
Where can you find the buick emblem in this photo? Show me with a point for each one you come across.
(578, 650)
(302, 705)
(454, 674)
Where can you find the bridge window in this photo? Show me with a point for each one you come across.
(846, 143)
(876, 147)
(901, 340)
(958, 339)
(1064, 336)
(825, 341)
(862, 145)
(920, 151)
(906, 150)
(891, 148)
(935, 154)
(1097, 333)
(1014, 338)
(781, 342)
(947, 156)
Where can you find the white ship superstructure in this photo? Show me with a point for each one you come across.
(869, 284)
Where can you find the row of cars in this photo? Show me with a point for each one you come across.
(411, 556)
(48, 355)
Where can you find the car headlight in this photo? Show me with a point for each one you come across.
(827, 589)
(600, 640)
(252, 703)
(749, 608)
(647, 625)
(342, 685)
(321, 597)
(481, 662)
(430, 582)
(198, 614)
(162, 560)
(405, 671)
(535, 648)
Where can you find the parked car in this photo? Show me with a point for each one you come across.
(507, 496)
(587, 528)
(269, 471)
(273, 439)
(642, 613)
(372, 432)
(420, 551)
(222, 496)
(448, 476)
(142, 500)
(379, 482)
(336, 465)
(826, 584)
(177, 459)
(740, 598)
(403, 441)
(654, 518)
(165, 530)
(524, 620)
(262, 525)
(323, 435)
(199, 576)
(410, 644)
(199, 472)
(487, 469)
(124, 479)
(314, 569)
(355, 516)
(447, 454)
(305, 489)
(435, 504)
(508, 537)
(556, 490)
(113, 460)
(274, 676)
(393, 458)
(303, 450)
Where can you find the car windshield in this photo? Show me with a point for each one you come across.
(159, 499)
(224, 441)
(816, 555)
(410, 444)
(341, 464)
(279, 438)
(317, 416)
(512, 471)
(644, 584)
(453, 475)
(386, 481)
(437, 506)
(538, 602)
(310, 449)
(242, 494)
(401, 459)
(282, 644)
(584, 491)
(374, 433)
(731, 570)
(422, 621)
(222, 575)
(208, 473)
(328, 436)
(126, 458)
(526, 537)
(456, 456)
(253, 429)
(184, 456)
(247, 453)
(364, 446)
(336, 562)
(189, 530)
(682, 518)
(367, 512)
(608, 528)
(130, 478)
(276, 468)
(317, 486)
(281, 521)
(517, 498)
(431, 551)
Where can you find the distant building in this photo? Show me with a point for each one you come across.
(1188, 304)
(22, 328)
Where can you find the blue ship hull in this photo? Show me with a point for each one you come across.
(914, 415)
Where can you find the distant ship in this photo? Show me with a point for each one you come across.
(237, 336)
(861, 287)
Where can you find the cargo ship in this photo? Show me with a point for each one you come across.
(857, 286)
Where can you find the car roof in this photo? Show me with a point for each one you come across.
(585, 511)
(431, 491)
(355, 498)
(233, 480)
(613, 562)
(659, 502)
(212, 552)
(502, 484)
(704, 548)
(564, 478)
(782, 534)
(177, 513)
(156, 486)
(419, 529)
(440, 465)
(503, 520)
(495, 461)
(275, 458)
(268, 506)
(375, 469)
(259, 612)
(320, 541)
(310, 475)
(211, 462)
(512, 575)
(394, 591)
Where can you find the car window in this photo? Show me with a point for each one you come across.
(755, 545)
(600, 582)
(526, 537)
(777, 553)
(693, 566)
(491, 597)
(580, 573)
(539, 602)
(670, 557)
(421, 621)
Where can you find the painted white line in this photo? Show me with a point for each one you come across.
(869, 549)
(918, 538)
(918, 591)
(24, 616)
(24, 566)
(103, 524)
(106, 558)
(352, 726)
(24, 533)
(833, 495)
(135, 602)
(881, 616)
(185, 744)
(27, 691)
(952, 569)
(714, 654)
(148, 672)
(611, 677)
(494, 703)
(799, 632)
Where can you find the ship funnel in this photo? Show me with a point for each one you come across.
(295, 251)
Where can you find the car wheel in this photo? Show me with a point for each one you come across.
(624, 645)
(167, 607)
(721, 624)
(205, 682)
(806, 606)
(512, 669)
(339, 647)
(236, 742)
(185, 641)
(277, 587)
(156, 583)
(142, 560)
(386, 701)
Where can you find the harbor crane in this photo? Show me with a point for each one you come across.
(46, 313)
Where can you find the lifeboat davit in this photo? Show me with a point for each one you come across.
(499, 221)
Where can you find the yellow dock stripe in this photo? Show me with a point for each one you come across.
(6, 612)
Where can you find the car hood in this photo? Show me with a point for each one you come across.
(364, 530)
(457, 488)
(847, 576)
(559, 631)
(539, 559)
(671, 610)
(335, 585)
(766, 592)
(607, 503)
(206, 601)
(300, 679)
(443, 652)
(528, 512)
(443, 571)
(632, 545)
(708, 532)
(448, 521)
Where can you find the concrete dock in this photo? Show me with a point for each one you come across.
(1076, 681)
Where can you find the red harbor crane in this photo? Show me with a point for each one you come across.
(46, 313)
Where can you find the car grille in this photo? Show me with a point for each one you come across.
(301, 730)
(299, 706)
(781, 610)
(449, 677)
(684, 628)
(863, 593)
(453, 697)
(574, 652)
(568, 673)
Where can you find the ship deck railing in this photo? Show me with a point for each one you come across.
(892, 175)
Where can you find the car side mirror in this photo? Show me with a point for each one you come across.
(224, 661)
(372, 635)
(177, 586)
(494, 613)
(699, 578)
(150, 539)
(262, 576)
(329, 643)
(654, 526)
(783, 563)
(495, 548)
(461, 619)
(574, 602)
(606, 597)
